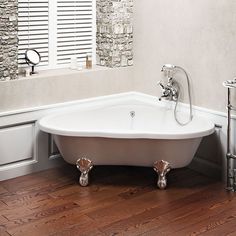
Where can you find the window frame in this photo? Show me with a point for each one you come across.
(52, 37)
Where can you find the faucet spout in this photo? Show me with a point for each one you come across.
(162, 96)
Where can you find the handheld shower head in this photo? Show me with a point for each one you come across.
(168, 68)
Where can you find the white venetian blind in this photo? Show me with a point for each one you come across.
(33, 29)
(74, 29)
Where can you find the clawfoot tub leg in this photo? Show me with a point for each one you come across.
(84, 165)
(162, 168)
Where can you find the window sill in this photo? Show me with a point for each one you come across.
(61, 72)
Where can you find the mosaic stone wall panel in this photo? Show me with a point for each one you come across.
(114, 33)
(8, 40)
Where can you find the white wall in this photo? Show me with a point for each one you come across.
(199, 35)
(63, 85)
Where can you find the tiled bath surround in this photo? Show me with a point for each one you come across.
(114, 33)
(8, 40)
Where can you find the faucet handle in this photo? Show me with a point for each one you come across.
(161, 84)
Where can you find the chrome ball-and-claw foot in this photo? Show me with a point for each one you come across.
(84, 165)
(162, 168)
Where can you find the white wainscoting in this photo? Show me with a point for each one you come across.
(25, 149)
(210, 160)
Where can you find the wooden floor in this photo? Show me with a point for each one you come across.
(119, 201)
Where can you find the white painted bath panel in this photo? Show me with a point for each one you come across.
(16, 143)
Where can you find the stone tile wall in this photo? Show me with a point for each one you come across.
(114, 33)
(8, 40)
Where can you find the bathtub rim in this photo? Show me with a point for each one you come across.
(121, 134)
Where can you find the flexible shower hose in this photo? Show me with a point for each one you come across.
(190, 101)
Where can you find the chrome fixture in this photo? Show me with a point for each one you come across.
(162, 168)
(172, 92)
(168, 69)
(231, 157)
(132, 114)
(84, 165)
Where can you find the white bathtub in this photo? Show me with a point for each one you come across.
(130, 132)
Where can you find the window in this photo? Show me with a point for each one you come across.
(57, 29)
(33, 19)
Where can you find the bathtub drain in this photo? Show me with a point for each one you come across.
(132, 114)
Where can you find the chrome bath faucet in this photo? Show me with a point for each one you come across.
(170, 91)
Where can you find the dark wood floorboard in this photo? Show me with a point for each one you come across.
(119, 201)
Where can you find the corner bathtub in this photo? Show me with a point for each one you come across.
(132, 133)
